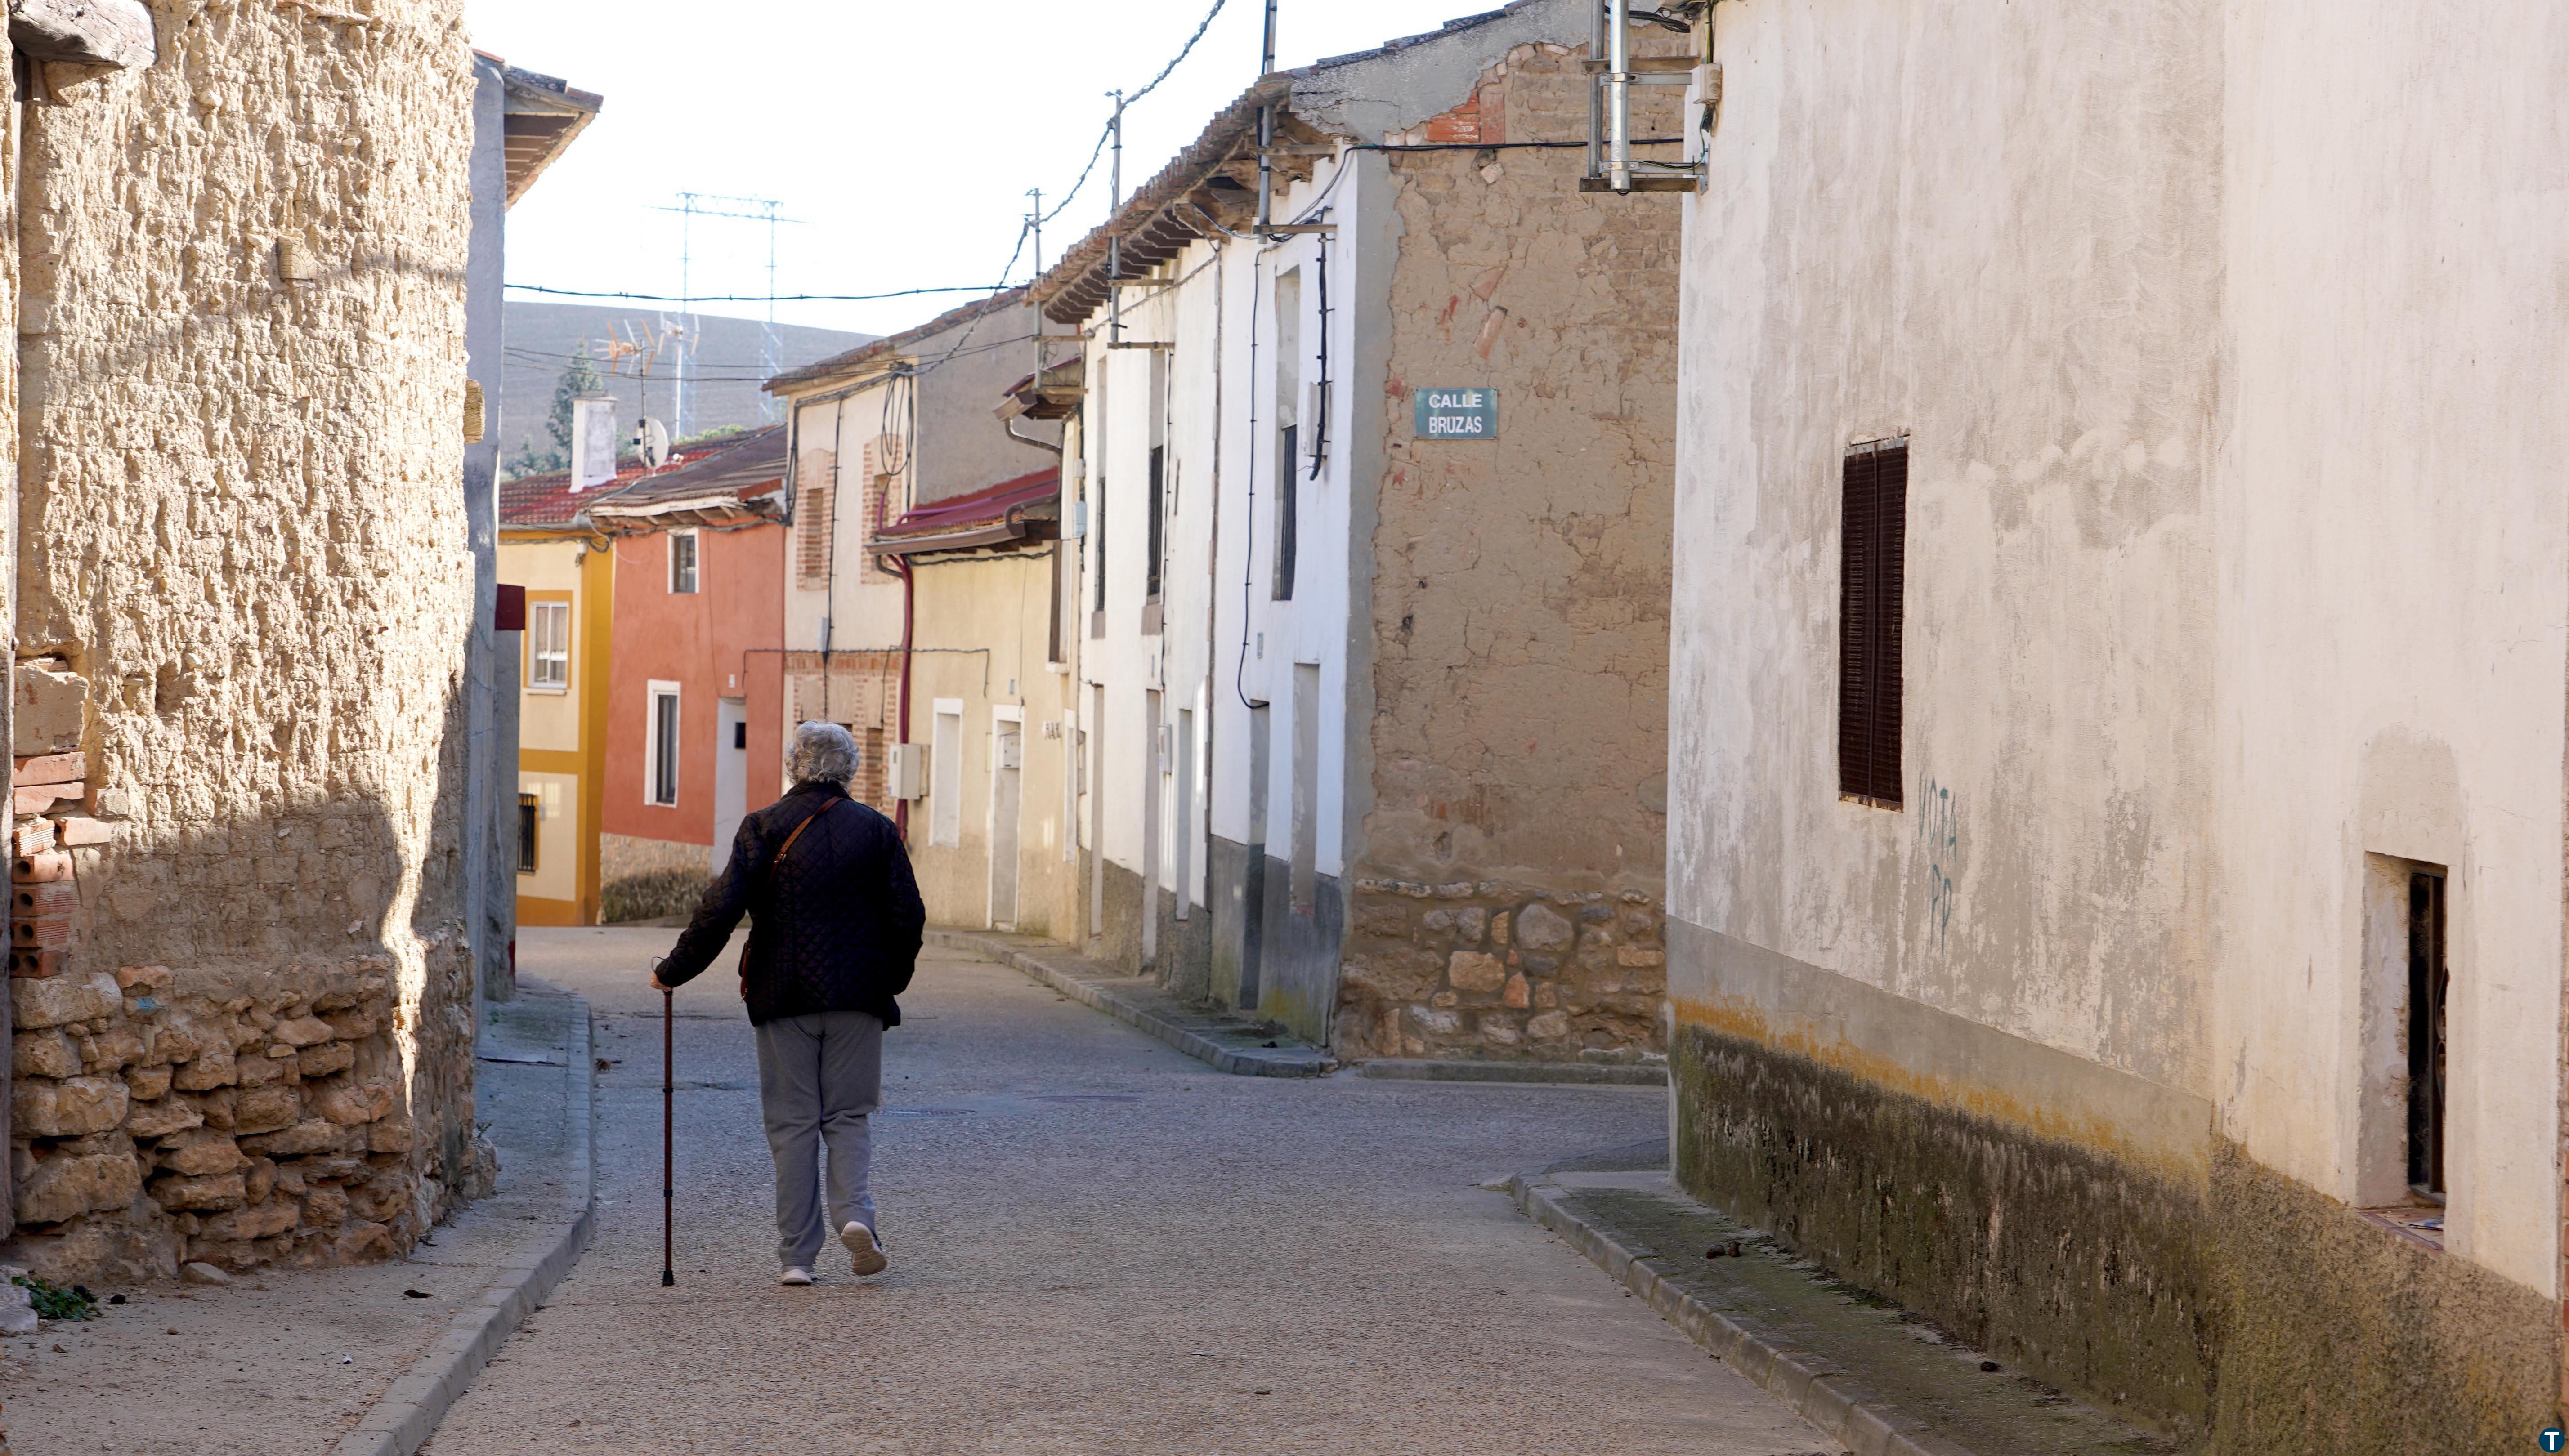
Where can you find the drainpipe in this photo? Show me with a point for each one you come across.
(1029, 439)
(908, 616)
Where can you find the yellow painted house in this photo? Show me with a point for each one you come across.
(567, 571)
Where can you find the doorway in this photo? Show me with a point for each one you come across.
(1006, 764)
(731, 775)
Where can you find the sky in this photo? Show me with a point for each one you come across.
(903, 138)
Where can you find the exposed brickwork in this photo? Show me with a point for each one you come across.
(863, 693)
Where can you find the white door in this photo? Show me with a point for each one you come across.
(1005, 766)
(731, 775)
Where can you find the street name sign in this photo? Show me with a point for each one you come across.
(1457, 411)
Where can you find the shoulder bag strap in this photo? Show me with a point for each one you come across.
(769, 871)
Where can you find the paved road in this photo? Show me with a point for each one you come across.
(1098, 1246)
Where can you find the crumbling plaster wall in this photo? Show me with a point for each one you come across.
(1520, 595)
(243, 348)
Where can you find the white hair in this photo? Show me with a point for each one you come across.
(822, 752)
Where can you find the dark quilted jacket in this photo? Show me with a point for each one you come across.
(834, 926)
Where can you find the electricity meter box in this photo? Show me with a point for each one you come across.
(907, 770)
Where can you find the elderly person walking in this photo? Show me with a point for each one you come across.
(834, 935)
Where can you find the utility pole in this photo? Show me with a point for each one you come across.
(1037, 216)
(1114, 241)
(1267, 127)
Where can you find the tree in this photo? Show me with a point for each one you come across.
(579, 379)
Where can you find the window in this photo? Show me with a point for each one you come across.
(1875, 491)
(548, 645)
(1159, 520)
(740, 733)
(1053, 634)
(812, 527)
(1156, 561)
(662, 755)
(945, 774)
(1097, 529)
(530, 814)
(2429, 985)
(682, 562)
(1289, 379)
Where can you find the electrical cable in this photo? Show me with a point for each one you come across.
(1201, 27)
(1497, 146)
(742, 297)
(1056, 210)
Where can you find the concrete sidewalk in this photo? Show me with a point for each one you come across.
(356, 1362)
(1243, 1046)
(1878, 1379)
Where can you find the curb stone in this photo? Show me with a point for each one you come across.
(1597, 1074)
(402, 1420)
(1295, 1060)
(1817, 1390)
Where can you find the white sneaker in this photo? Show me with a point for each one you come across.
(797, 1274)
(868, 1255)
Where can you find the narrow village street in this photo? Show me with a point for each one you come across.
(1098, 1246)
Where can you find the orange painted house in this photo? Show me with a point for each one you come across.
(695, 729)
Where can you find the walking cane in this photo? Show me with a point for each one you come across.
(668, 1138)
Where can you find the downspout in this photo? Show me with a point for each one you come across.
(909, 616)
(1011, 428)
(908, 572)
(1207, 768)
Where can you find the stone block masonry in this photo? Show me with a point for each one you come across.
(1488, 969)
(169, 1117)
(243, 593)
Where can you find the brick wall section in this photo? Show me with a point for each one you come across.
(863, 693)
(1521, 598)
(242, 538)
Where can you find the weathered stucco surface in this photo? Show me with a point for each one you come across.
(244, 360)
(1519, 621)
(2234, 564)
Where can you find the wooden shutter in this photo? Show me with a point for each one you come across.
(1875, 493)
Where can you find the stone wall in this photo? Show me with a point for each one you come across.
(642, 879)
(1481, 968)
(1520, 595)
(242, 564)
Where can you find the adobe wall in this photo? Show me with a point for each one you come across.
(244, 557)
(1508, 898)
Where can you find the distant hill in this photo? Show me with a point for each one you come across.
(723, 378)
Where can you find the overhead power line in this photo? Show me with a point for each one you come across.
(746, 297)
(1055, 211)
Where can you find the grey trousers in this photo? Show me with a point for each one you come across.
(819, 1078)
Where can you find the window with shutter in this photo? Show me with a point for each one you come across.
(1875, 494)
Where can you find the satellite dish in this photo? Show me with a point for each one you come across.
(652, 439)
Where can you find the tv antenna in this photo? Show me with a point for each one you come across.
(692, 206)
